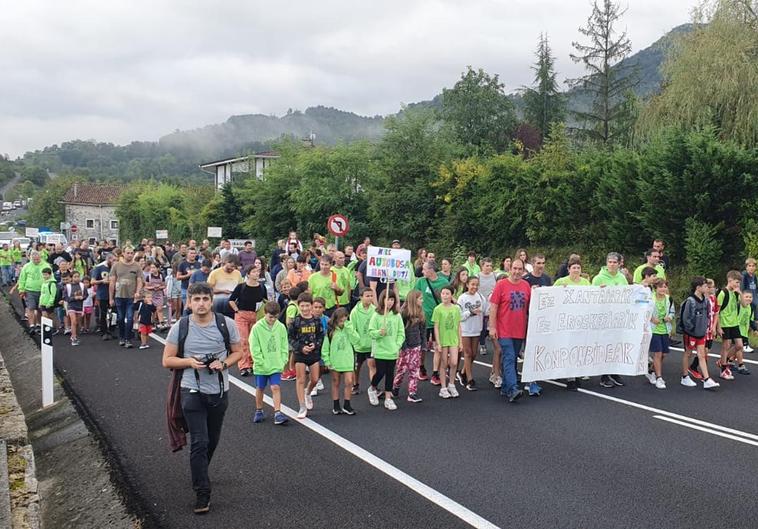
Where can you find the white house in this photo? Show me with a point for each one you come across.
(223, 170)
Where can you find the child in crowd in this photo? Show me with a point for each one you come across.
(409, 360)
(305, 338)
(713, 312)
(48, 293)
(319, 311)
(473, 307)
(88, 304)
(746, 317)
(145, 310)
(174, 289)
(73, 294)
(729, 306)
(694, 325)
(387, 334)
(156, 284)
(447, 337)
(337, 355)
(659, 344)
(269, 348)
(361, 317)
(289, 317)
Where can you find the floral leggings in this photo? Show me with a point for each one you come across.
(409, 362)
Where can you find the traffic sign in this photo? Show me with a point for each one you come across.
(73, 228)
(338, 225)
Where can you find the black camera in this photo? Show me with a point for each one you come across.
(207, 360)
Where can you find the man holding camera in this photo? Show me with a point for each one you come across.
(204, 382)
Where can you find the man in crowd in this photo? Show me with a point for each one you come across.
(101, 281)
(125, 285)
(537, 277)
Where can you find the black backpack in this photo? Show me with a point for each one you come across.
(727, 297)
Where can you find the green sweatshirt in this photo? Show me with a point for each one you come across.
(473, 269)
(5, 257)
(744, 317)
(405, 286)
(388, 346)
(30, 278)
(352, 266)
(17, 254)
(47, 293)
(337, 352)
(269, 347)
(637, 277)
(361, 317)
(345, 282)
(604, 277)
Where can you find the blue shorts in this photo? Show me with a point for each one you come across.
(659, 344)
(274, 379)
(184, 295)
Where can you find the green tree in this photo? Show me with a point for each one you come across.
(35, 174)
(479, 112)
(711, 75)
(607, 81)
(46, 208)
(544, 103)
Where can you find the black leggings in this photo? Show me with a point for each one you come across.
(386, 369)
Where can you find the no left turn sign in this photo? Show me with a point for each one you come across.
(338, 225)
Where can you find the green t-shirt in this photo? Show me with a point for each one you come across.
(291, 312)
(345, 283)
(566, 281)
(5, 258)
(744, 317)
(661, 311)
(473, 269)
(728, 316)
(449, 321)
(637, 277)
(430, 299)
(321, 287)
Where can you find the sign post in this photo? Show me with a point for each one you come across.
(338, 226)
(214, 231)
(46, 346)
(161, 234)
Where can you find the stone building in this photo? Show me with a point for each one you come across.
(91, 208)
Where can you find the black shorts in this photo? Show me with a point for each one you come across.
(361, 357)
(731, 333)
(308, 360)
(709, 344)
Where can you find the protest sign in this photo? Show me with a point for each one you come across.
(240, 243)
(388, 263)
(585, 331)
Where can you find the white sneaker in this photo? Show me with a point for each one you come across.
(390, 404)
(483, 350)
(710, 384)
(373, 398)
(651, 377)
(314, 392)
(445, 393)
(302, 413)
(687, 381)
(308, 402)
(660, 383)
(498, 382)
(453, 391)
(319, 385)
(492, 378)
(748, 349)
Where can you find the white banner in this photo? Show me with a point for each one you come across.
(240, 243)
(585, 331)
(388, 263)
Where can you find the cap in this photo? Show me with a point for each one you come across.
(396, 241)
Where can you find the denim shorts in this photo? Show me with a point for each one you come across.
(659, 344)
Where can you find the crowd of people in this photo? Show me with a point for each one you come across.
(315, 311)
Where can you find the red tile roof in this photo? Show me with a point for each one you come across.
(93, 194)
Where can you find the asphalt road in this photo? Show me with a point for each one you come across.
(624, 457)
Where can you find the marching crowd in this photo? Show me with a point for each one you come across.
(314, 310)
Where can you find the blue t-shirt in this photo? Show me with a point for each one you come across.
(198, 276)
(185, 267)
(101, 273)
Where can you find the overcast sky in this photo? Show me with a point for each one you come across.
(131, 70)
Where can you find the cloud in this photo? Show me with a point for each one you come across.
(120, 71)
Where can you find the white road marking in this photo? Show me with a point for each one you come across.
(651, 409)
(707, 430)
(714, 355)
(395, 473)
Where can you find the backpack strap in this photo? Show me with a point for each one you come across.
(223, 329)
(183, 331)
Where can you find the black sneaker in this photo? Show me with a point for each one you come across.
(617, 380)
(32, 331)
(121, 343)
(471, 385)
(606, 382)
(202, 503)
(336, 410)
(396, 392)
(347, 408)
(515, 396)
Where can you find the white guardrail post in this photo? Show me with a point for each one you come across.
(46, 345)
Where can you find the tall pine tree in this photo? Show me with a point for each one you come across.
(544, 103)
(608, 80)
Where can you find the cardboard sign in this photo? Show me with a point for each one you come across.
(388, 263)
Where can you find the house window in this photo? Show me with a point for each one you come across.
(89, 223)
(114, 224)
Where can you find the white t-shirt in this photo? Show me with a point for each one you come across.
(472, 324)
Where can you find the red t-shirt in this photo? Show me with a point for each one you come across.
(512, 302)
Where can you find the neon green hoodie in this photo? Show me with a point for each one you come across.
(30, 278)
(604, 277)
(388, 346)
(269, 347)
(337, 353)
(47, 293)
(361, 317)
